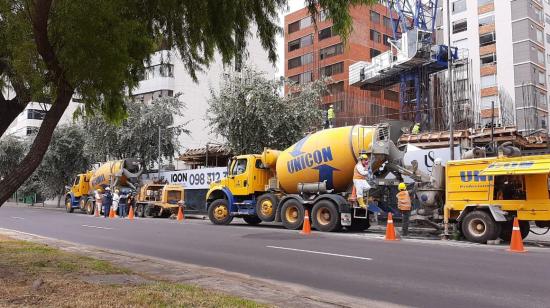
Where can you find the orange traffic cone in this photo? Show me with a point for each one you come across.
(306, 229)
(131, 214)
(96, 210)
(180, 213)
(516, 244)
(390, 230)
(111, 213)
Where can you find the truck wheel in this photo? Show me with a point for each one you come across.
(252, 220)
(480, 227)
(148, 211)
(139, 210)
(218, 212)
(359, 224)
(506, 229)
(266, 207)
(68, 205)
(82, 204)
(89, 207)
(325, 216)
(292, 214)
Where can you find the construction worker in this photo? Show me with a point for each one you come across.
(416, 129)
(404, 205)
(330, 116)
(98, 200)
(107, 201)
(116, 200)
(123, 205)
(360, 173)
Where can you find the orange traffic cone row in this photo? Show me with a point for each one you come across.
(390, 230)
(516, 244)
(112, 213)
(180, 214)
(96, 211)
(131, 214)
(306, 229)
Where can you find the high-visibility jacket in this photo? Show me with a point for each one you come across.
(360, 172)
(416, 129)
(330, 113)
(403, 200)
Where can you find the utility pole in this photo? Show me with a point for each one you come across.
(450, 82)
(207, 149)
(493, 126)
(159, 155)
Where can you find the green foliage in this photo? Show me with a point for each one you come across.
(137, 135)
(250, 114)
(64, 160)
(12, 151)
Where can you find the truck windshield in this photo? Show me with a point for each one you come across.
(239, 167)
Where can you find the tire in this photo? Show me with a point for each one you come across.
(524, 227)
(480, 227)
(292, 214)
(139, 210)
(68, 204)
(266, 207)
(148, 211)
(359, 224)
(218, 212)
(506, 229)
(252, 220)
(89, 207)
(82, 204)
(325, 216)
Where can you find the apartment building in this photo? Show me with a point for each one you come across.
(313, 52)
(508, 43)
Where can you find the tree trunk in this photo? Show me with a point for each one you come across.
(59, 200)
(39, 147)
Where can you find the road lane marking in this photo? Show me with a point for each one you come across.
(320, 253)
(17, 217)
(97, 227)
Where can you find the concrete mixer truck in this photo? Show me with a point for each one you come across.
(119, 173)
(314, 174)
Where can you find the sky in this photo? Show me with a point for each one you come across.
(293, 6)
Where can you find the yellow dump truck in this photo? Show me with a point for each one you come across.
(484, 195)
(120, 173)
(159, 200)
(314, 174)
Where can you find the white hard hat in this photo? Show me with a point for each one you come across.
(108, 188)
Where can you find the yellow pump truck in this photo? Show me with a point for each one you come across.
(159, 199)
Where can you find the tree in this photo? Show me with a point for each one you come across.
(137, 136)
(250, 114)
(98, 49)
(64, 159)
(12, 151)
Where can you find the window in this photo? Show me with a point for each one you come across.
(540, 56)
(487, 39)
(239, 167)
(301, 42)
(302, 78)
(300, 24)
(486, 102)
(488, 59)
(32, 130)
(325, 33)
(461, 44)
(375, 36)
(335, 88)
(323, 15)
(539, 36)
(332, 69)
(387, 22)
(35, 114)
(541, 79)
(547, 18)
(484, 2)
(331, 51)
(548, 38)
(488, 81)
(486, 20)
(374, 17)
(374, 52)
(459, 6)
(385, 40)
(460, 26)
(159, 70)
(301, 60)
(509, 187)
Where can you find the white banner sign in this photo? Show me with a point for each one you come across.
(193, 178)
(426, 157)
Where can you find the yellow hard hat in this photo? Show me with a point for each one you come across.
(402, 186)
(363, 156)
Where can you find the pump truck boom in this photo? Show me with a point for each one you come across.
(121, 173)
(314, 174)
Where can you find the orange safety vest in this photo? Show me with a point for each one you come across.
(404, 200)
(357, 175)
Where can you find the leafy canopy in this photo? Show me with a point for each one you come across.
(250, 114)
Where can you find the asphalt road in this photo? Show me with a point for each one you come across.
(409, 272)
